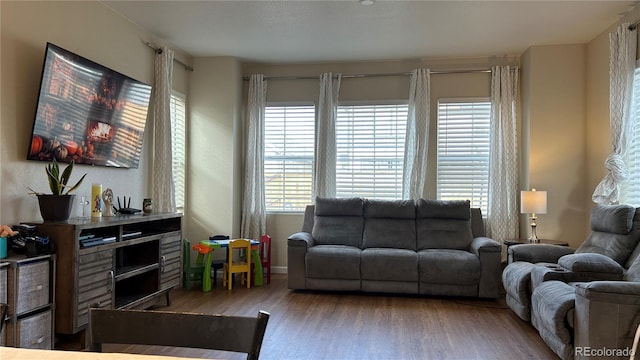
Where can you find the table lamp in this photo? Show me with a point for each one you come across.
(533, 202)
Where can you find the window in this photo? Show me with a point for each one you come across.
(370, 150)
(178, 142)
(630, 191)
(288, 157)
(463, 151)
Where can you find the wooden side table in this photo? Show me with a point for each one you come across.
(508, 243)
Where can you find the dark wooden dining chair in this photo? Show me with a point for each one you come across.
(165, 328)
(3, 315)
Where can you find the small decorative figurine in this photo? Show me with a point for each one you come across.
(107, 197)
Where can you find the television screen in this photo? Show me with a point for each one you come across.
(88, 113)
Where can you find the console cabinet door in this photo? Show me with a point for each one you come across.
(170, 252)
(95, 283)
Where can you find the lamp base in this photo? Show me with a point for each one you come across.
(533, 238)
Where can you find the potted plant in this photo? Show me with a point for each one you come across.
(57, 205)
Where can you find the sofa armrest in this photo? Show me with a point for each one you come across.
(301, 239)
(618, 292)
(297, 245)
(606, 315)
(542, 272)
(591, 262)
(535, 253)
(489, 252)
(485, 244)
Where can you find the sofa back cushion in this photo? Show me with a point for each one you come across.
(307, 222)
(389, 224)
(633, 268)
(338, 222)
(614, 233)
(477, 223)
(443, 225)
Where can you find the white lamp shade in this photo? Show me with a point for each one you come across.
(533, 202)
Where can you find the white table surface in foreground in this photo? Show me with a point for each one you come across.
(10, 353)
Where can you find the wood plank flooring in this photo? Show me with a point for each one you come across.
(321, 325)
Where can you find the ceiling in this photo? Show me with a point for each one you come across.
(320, 31)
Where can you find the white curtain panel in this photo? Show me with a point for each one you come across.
(324, 184)
(503, 210)
(415, 147)
(622, 60)
(162, 177)
(253, 204)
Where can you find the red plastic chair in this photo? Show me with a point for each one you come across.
(265, 256)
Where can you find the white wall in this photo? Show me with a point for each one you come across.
(214, 149)
(554, 82)
(89, 29)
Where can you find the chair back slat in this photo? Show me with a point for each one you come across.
(265, 256)
(192, 330)
(4, 308)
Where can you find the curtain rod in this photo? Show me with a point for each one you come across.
(355, 76)
(159, 51)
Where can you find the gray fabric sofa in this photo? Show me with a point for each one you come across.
(423, 247)
(584, 300)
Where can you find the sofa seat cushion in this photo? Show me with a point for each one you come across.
(614, 233)
(389, 224)
(443, 225)
(447, 266)
(389, 265)
(333, 262)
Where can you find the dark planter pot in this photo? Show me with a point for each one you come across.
(55, 207)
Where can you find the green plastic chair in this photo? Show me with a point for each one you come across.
(205, 251)
(191, 275)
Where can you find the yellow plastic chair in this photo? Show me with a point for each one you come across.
(238, 261)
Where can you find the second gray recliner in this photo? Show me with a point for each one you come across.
(586, 300)
(615, 231)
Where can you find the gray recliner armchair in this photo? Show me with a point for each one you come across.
(584, 301)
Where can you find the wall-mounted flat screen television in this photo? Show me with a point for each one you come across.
(88, 113)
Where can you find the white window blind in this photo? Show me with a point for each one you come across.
(178, 142)
(370, 150)
(630, 191)
(288, 157)
(463, 151)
